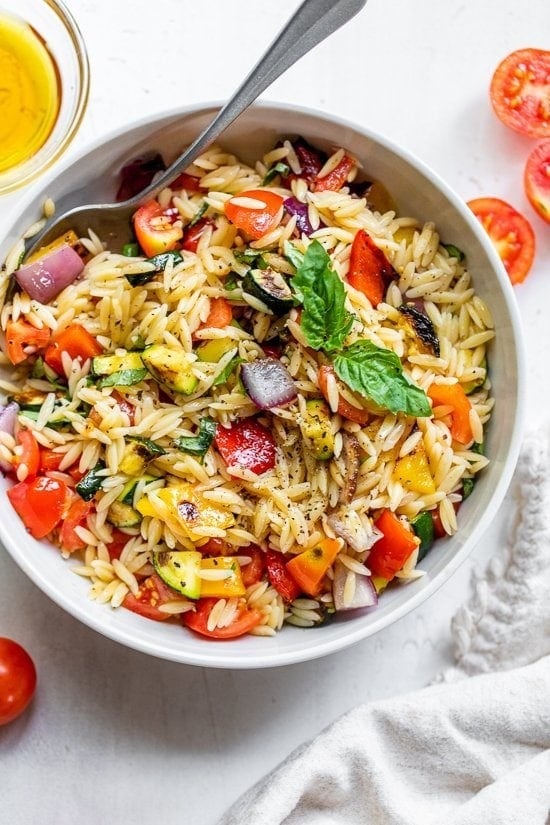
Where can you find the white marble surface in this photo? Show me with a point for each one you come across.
(114, 735)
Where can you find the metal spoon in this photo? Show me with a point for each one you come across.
(312, 23)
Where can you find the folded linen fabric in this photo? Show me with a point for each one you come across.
(465, 751)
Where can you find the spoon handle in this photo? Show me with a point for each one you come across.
(313, 21)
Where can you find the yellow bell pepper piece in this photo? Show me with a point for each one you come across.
(413, 472)
(223, 588)
(215, 349)
(188, 508)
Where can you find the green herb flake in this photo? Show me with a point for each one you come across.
(227, 371)
(198, 215)
(130, 250)
(454, 251)
(277, 169)
(198, 444)
(123, 378)
(377, 373)
(325, 321)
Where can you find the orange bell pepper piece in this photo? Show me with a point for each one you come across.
(390, 552)
(75, 340)
(309, 568)
(220, 314)
(345, 409)
(453, 395)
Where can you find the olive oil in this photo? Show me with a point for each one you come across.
(30, 92)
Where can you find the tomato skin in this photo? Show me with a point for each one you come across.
(520, 92)
(253, 572)
(30, 455)
(193, 234)
(246, 444)
(188, 182)
(76, 341)
(197, 620)
(280, 578)
(19, 335)
(345, 409)
(39, 503)
(337, 178)
(17, 680)
(255, 222)
(510, 232)
(536, 180)
(152, 238)
(76, 517)
(152, 593)
(118, 543)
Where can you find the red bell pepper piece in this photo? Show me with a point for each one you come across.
(335, 179)
(246, 444)
(76, 341)
(280, 578)
(20, 335)
(370, 272)
(390, 552)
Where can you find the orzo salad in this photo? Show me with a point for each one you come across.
(263, 410)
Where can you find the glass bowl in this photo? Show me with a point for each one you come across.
(51, 23)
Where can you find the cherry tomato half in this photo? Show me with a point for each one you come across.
(511, 234)
(245, 620)
(536, 179)
(151, 595)
(258, 220)
(17, 680)
(154, 230)
(520, 92)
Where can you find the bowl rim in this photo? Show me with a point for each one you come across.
(234, 660)
(82, 85)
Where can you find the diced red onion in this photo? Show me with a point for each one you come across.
(365, 594)
(268, 383)
(295, 207)
(347, 524)
(44, 278)
(8, 420)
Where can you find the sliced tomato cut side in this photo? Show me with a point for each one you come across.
(197, 620)
(536, 179)
(510, 232)
(520, 92)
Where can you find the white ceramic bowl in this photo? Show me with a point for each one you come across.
(418, 192)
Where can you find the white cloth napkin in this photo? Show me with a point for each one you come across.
(467, 751)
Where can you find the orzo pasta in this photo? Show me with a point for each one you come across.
(264, 409)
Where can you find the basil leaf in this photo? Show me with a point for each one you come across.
(454, 251)
(160, 262)
(198, 444)
(294, 255)
(276, 169)
(122, 378)
(325, 321)
(227, 371)
(376, 373)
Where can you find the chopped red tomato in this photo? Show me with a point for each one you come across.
(155, 231)
(50, 460)
(520, 92)
(511, 234)
(21, 335)
(220, 314)
(280, 578)
(215, 547)
(255, 221)
(27, 452)
(390, 552)
(337, 178)
(536, 179)
(453, 395)
(309, 568)
(152, 593)
(345, 409)
(253, 572)
(117, 544)
(369, 270)
(246, 444)
(39, 503)
(76, 517)
(244, 622)
(193, 234)
(77, 342)
(188, 182)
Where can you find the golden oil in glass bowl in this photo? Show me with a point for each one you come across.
(30, 91)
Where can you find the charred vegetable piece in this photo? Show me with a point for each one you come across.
(88, 486)
(180, 570)
(45, 277)
(160, 262)
(138, 174)
(138, 452)
(310, 159)
(315, 424)
(198, 444)
(422, 326)
(123, 515)
(270, 288)
(268, 383)
(170, 366)
(129, 489)
(352, 460)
